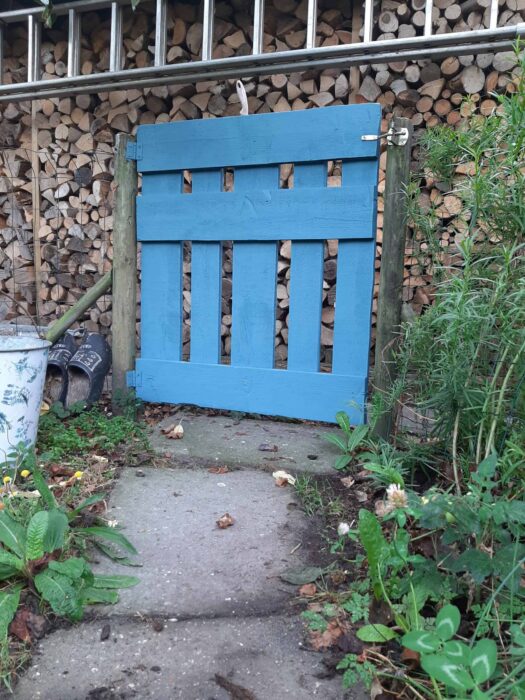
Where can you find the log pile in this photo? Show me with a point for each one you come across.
(76, 137)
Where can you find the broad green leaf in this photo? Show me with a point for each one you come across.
(457, 651)
(343, 420)
(108, 533)
(376, 633)
(115, 581)
(357, 436)
(483, 660)
(10, 561)
(336, 440)
(56, 530)
(442, 669)
(478, 694)
(92, 595)
(36, 531)
(447, 622)
(374, 543)
(305, 574)
(42, 487)
(342, 462)
(487, 468)
(422, 641)
(73, 568)
(59, 593)
(12, 534)
(478, 564)
(9, 600)
(114, 555)
(95, 498)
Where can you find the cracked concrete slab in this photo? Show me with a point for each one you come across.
(263, 656)
(260, 444)
(193, 568)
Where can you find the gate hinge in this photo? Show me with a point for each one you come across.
(393, 138)
(133, 151)
(133, 378)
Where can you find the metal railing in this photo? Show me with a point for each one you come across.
(492, 39)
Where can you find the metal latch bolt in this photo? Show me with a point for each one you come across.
(393, 138)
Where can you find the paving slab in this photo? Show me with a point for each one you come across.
(261, 444)
(263, 656)
(190, 566)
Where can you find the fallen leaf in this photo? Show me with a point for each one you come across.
(218, 470)
(328, 638)
(237, 692)
(27, 626)
(361, 496)
(380, 508)
(105, 632)
(307, 590)
(225, 521)
(175, 431)
(375, 689)
(266, 447)
(298, 577)
(410, 658)
(59, 470)
(282, 478)
(347, 481)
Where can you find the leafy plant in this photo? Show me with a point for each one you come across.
(350, 442)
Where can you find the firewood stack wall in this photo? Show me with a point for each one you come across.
(76, 137)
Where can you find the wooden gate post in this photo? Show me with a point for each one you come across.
(124, 271)
(392, 264)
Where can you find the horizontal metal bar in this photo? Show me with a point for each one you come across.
(413, 48)
(82, 6)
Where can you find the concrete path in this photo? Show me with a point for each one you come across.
(210, 619)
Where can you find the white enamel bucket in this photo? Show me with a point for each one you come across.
(23, 362)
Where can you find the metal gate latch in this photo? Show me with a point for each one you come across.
(393, 138)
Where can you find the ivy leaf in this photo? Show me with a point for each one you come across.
(447, 622)
(442, 669)
(376, 634)
(483, 660)
(421, 641)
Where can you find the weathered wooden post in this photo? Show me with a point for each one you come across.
(392, 262)
(124, 271)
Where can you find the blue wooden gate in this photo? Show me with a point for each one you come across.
(256, 216)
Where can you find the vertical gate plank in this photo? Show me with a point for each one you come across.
(161, 271)
(206, 275)
(355, 282)
(306, 285)
(254, 283)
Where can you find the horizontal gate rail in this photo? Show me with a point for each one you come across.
(492, 39)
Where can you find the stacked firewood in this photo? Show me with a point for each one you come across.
(76, 137)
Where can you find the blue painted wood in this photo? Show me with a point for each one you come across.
(308, 395)
(261, 214)
(355, 283)
(257, 215)
(289, 137)
(306, 283)
(206, 276)
(254, 284)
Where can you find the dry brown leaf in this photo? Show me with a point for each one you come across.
(375, 689)
(361, 496)
(410, 658)
(281, 482)
(326, 639)
(347, 481)
(218, 470)
(225, 521)
(175, 431)
(307, 590)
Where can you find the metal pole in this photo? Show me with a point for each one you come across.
(392, 265)
(428, 17)
(73, 44)
(33, 50)
(258, 26)
(368, 23)
(493, 22)
(160, 32)
(124, 270)
(311, 24)
(207, 30)
(115, 50)
(1, 53)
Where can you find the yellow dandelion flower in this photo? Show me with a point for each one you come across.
(6, 479)
(25, 473)
(78, 475)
